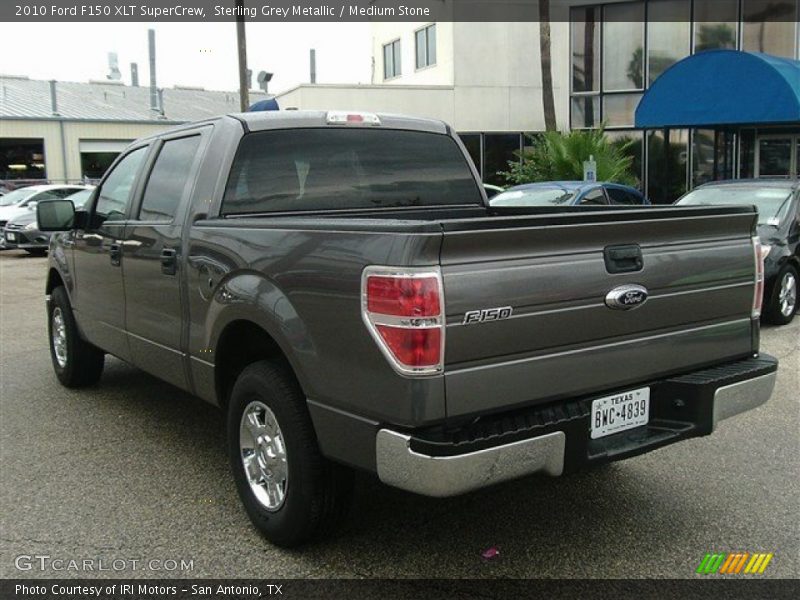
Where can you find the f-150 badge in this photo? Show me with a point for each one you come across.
(487, 314)
(626, 297)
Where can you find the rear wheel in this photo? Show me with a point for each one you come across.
(76, 362)
(783, 302)
(291, 493)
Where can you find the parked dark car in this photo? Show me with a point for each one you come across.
(22, 231)
(337, 285)
(570, 193)
(778, 207)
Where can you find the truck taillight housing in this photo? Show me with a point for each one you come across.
(759, 254)
(403, 311)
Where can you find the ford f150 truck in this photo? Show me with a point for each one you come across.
(338, 284)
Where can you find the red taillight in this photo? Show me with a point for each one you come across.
(403, 296)
(758, 292)
(403, 311)
(414, 347)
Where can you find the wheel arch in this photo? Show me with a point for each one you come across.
(242, 342)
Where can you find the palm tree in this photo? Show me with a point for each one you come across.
(555, 156)
(548, 102)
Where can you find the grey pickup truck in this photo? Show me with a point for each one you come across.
(338, 285)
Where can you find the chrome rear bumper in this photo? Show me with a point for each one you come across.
(731, 400)
(399, 466)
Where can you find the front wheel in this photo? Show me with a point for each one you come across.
(290, 491)
(783, 303)
(76, 362)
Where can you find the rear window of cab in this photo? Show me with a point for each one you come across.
(337, 169)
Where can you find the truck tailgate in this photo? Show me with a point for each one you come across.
(561, 339)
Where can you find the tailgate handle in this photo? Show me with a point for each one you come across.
(623, 259)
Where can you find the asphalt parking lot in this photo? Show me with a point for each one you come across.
(134, 469)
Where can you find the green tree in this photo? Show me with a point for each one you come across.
(555, 156)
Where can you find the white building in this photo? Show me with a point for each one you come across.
(482, 78)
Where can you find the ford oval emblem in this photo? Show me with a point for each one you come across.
(626, 297)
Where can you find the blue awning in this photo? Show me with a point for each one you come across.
(268, 104)
(723, 87)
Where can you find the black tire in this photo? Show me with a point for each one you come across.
(83, 362)
(36, 251)
(317, 491)
(773, 313)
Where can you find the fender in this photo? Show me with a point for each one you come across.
(251, 296)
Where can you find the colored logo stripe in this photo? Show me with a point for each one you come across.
(732, 563)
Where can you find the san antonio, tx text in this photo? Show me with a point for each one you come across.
(125, 589)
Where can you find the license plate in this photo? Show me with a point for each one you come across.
(619, 412)
(11, 237)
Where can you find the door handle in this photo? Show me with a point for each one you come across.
(115, 253)
(623, 259)
(169, 261)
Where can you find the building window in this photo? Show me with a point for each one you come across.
(618, 109)
(716, 24)
(472, 142)
(585, 112)
(22, 158)
(391, 60)
(498, 150)
(770, 26)
(667, 35)
(667, 164)
(586, 49)
(425, 40)
(623, 46)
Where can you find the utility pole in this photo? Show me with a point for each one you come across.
(244, 96)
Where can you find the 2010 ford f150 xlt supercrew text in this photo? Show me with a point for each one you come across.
(337, 283)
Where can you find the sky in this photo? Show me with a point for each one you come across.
(196, 54)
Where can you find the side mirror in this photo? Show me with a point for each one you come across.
(32, 204)
(55, 215)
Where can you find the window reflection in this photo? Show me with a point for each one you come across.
(618, 109)
(631, 142)
(623, 43)
(472, 142)
(715, 24)
(586, 49)
(769, 26)
(666, 164)
(668, 41)
(585, 112)
(499, 148)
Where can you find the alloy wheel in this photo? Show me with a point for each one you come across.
(263, 455)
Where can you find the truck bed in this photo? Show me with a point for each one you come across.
(548, 265)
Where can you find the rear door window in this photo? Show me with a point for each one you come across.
(337, 168)
(620, 196)
(168, 179)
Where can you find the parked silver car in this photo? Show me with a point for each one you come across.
(19, 227)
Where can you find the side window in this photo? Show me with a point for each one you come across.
(41, 197)
(594, 197)
(168, 179)
(115, 194)
(64, 192)
(620, 196)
